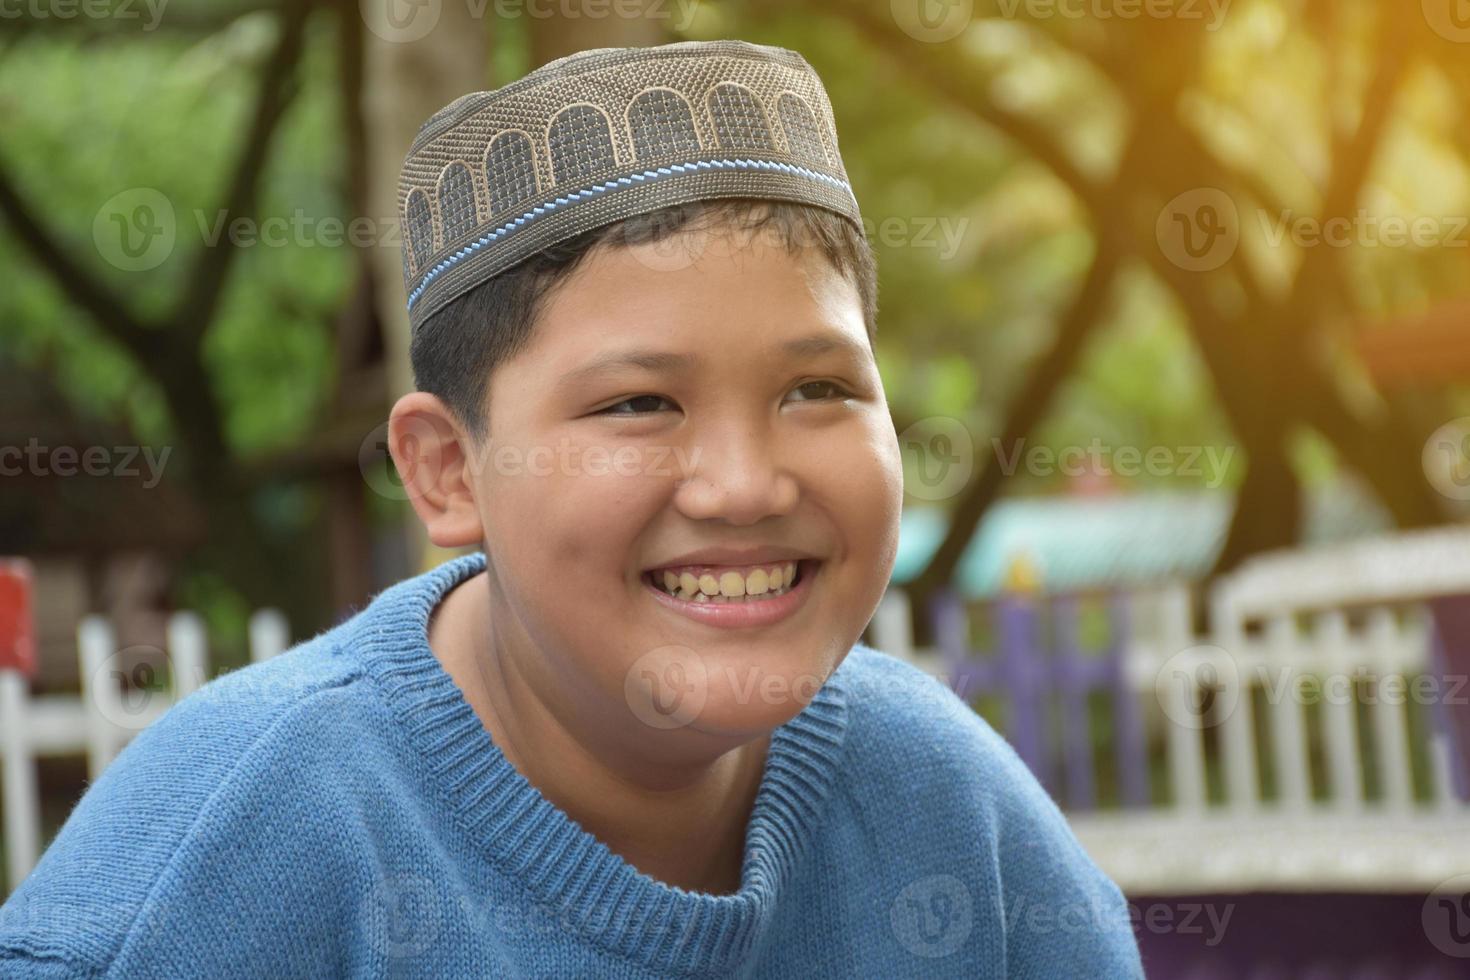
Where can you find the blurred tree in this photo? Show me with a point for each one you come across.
(1283, 111)
(1028, 179)
(266, 366)
(162, 329)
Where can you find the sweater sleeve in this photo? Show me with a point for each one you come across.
(1049, 910)
(182, 857)
(1063, 916)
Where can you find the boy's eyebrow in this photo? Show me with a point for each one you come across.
(822, 343)
(671, 363)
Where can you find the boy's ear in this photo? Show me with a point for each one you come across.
(432, 452)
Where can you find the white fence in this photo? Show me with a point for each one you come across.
(100, 721)
(1336, 692)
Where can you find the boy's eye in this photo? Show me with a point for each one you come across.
(628, 405)
(837, 391)
(645, 399)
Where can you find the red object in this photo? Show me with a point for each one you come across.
(17, 625)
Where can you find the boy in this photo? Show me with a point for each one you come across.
(635, 734)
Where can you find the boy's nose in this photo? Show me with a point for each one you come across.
(738, 476)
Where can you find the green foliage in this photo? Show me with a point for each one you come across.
(169, 114)
(981, 245)
(963, 320)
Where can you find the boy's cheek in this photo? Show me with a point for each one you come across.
(885, 475)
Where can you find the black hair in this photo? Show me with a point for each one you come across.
(455, 351)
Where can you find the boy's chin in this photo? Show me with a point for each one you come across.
(736, 695)
(751, 703)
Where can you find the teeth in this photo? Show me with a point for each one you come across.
(729, 586)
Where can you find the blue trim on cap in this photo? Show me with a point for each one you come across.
(596, 189)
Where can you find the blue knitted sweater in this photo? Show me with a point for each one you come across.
(340, 811)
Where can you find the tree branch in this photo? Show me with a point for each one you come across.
(947, 73)
(80, 286)
(206, 284)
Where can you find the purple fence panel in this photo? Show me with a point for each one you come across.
(1128, 743)
(1074, 684)
(1024, 675)
(1449, 658)
(967, 676)
(1028, 674)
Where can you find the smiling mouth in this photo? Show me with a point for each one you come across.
(747, 585)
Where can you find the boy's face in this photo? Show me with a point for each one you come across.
(746, 444)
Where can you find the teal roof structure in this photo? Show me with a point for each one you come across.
(1084, 542)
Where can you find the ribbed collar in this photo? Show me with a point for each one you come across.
(594, 892)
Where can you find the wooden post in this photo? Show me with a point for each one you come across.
(1237, 729)
(22, 797)
(270, 634)
(1288, 734)
(187, 653)
(1184, 736)
(1390, 735)
(101, 699)
(1339, 714)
